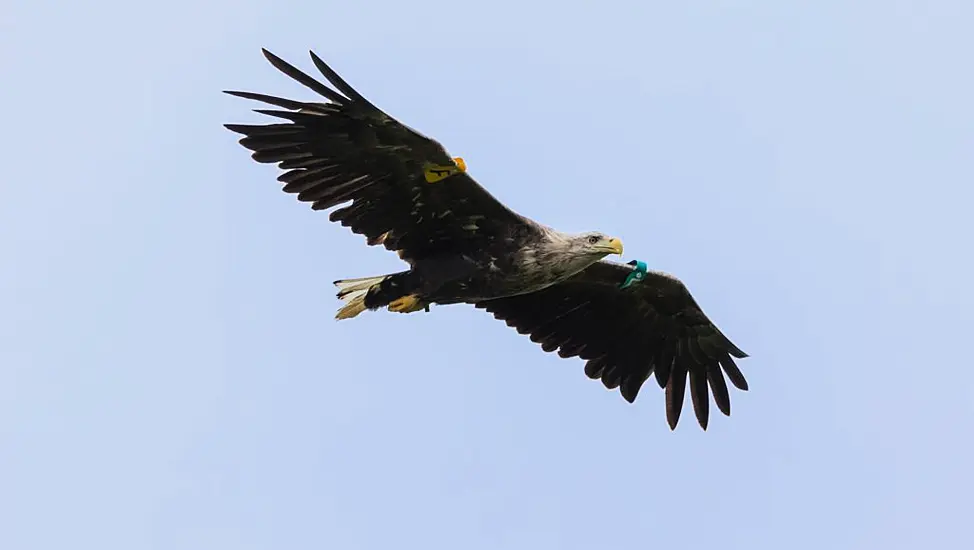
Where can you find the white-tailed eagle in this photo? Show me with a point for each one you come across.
(402, 190)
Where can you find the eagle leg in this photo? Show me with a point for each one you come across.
(407, 304)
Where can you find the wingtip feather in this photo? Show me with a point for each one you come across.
(672, 420)
(268, 55)
(627, 393)
(700, 396)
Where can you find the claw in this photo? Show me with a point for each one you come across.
(406, 304)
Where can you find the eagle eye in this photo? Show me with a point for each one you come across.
(594, 239)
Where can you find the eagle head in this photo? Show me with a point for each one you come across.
(595, 244)
(564, 254)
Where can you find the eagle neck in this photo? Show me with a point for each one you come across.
(554, 257)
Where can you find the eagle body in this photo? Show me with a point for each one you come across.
(401, 190)
(515, 265)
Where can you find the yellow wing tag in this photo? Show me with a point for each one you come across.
(437, 172)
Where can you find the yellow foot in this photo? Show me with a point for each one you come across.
(406, 304)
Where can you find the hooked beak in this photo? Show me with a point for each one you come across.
(615, 245)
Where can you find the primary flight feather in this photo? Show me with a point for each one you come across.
(402, 190)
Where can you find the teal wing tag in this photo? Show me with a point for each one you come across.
(637, 274)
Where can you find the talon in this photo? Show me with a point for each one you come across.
(406, 304)
(460, 163)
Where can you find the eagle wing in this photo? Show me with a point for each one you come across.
(627, 334)
(405, 191)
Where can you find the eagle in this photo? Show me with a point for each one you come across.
(403, 190)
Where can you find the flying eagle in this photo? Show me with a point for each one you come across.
(402, 190)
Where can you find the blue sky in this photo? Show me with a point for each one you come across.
(171, 375)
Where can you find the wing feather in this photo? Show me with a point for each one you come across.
(653, 327)
(348, 150)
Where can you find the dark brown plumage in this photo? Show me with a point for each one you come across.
(627, 335)
(402, 190)
(349, 150)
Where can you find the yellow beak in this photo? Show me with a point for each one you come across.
(616, 245)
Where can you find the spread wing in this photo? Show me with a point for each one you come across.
(404, 190)
(626, 335)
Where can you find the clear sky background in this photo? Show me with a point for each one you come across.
(171, 376)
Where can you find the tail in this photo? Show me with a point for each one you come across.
(372, 292)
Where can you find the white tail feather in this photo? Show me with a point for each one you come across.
(346, 286)
(352, 292)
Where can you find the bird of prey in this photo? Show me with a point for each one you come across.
(401, 189)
